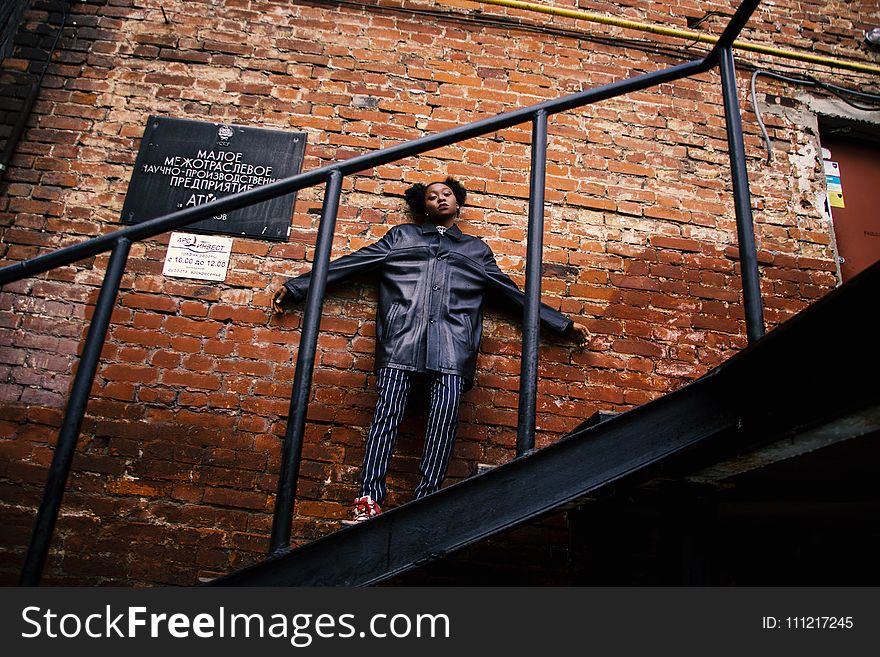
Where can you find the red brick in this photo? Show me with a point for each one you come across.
(182, 325)
(132, 373)
(234, 498)
(194, 383)
(133, 487)
(270, 353)
(146, 338)
(637, 347)
(239, 315)
(150, 302)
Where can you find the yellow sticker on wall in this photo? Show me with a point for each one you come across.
(835, 199)
(832, 183)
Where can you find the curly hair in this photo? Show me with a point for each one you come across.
(415, 195)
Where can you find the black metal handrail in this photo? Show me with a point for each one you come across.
(332, 175)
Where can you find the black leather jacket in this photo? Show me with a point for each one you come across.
(431, 290)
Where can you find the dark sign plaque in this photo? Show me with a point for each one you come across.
(183, 163)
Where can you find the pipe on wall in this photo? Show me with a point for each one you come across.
(683, 34)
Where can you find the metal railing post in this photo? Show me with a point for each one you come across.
(56, 481)
(528, 378)
(745, 228)
(291, 453)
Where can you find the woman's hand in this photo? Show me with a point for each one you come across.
(279, 299)
(579, 333)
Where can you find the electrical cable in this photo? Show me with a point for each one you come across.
(839, 92)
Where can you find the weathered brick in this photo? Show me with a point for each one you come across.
(194, 383)
(228, 497)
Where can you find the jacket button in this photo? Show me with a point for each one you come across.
(435, 288)
(433, 321)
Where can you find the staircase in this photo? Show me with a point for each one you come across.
(806, 385)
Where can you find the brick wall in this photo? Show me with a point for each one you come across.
(176, 469)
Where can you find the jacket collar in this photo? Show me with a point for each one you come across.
(430, 229)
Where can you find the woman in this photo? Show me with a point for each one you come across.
(432, 281)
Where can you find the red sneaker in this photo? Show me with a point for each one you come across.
(364, 509)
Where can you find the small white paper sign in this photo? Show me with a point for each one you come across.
(205, 257)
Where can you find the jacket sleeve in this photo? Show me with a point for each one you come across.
(362, 260)
(501, 283)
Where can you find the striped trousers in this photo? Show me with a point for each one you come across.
(394, 386)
